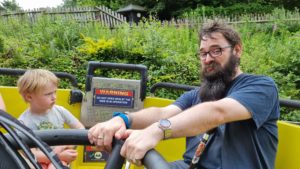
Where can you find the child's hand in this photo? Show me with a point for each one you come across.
(68, 155)
(71, 147)
(59, 149)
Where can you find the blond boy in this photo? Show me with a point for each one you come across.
(38, 88)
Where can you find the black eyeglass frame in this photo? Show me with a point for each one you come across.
(203, 55)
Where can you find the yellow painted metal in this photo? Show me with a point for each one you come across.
(289, 146)
(157, 102)
(289, 134)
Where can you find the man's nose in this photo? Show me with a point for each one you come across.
(208, 59)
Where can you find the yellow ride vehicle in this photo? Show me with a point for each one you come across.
(90, 107)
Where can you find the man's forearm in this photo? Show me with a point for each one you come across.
(148, 116)
(206, 116)
(145, 117)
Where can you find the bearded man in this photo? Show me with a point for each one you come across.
(233, 113)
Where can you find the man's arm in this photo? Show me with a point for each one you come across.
(146, 117)
(198, 119)
(206, 116)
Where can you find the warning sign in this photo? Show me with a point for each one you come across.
(113, 98)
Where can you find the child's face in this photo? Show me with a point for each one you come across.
(43, 100)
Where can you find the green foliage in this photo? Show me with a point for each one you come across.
(273, 49)
(292, 115)
(1, 44)
(10, 5)
(236, 9)
(290, 4)
(95, 47)
(164, 53)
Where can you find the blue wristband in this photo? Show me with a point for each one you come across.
(124, 117)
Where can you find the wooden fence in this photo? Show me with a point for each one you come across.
(107, 17)
(101, 14)
(236, 19)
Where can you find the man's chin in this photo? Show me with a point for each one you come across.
(210, 75)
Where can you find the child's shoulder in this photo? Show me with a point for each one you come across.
(58, 108)
(25, 114)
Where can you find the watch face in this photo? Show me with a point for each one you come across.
(165, 123)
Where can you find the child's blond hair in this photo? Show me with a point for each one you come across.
(35, 80)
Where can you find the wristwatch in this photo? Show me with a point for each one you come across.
(165, 125)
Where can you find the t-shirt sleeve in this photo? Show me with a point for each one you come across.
(187, 99)
(26, 119)
(22, 119)
(259, 96)
(68, 117)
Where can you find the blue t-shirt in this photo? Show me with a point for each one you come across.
(246, 144)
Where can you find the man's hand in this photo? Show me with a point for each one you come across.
(139, 142)
(102, 133)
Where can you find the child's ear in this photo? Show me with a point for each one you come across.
(27, 97)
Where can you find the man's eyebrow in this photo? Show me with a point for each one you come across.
(212, 46)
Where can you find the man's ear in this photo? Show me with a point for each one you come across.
(238, 50)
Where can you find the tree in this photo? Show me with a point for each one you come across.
(10, 5)
(108, 3)
(288, 4)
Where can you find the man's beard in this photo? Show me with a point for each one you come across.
(214, 85)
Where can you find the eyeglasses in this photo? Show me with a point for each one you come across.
(215, 52)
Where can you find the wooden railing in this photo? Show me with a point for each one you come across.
(236, 19)
(101, 14)
(107, 17)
